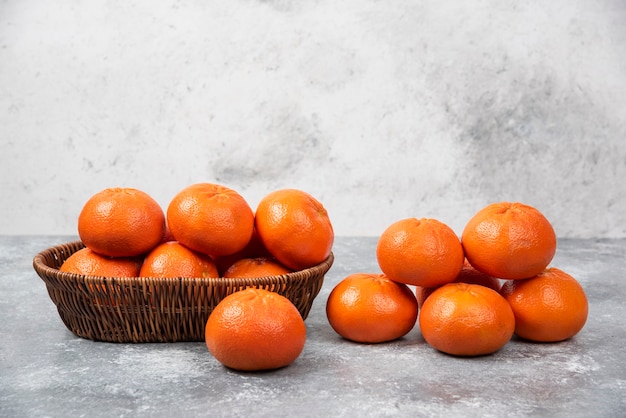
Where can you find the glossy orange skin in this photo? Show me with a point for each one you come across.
(295, 228)
(121, 222)
(211, 219)
(420, 252)
(509, 240)
(255, 329)
(89, 263)
(549, 307)
(467, 275)
(466, 320)
(256, 267)
(172, 259)
(370, 308)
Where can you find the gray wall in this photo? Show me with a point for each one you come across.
(382, 110)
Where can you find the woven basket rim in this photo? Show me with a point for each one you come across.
(40, 266)
(155, 309)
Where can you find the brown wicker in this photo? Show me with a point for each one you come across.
(148, 309)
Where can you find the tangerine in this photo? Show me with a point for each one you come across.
(509, 241)
(211, 219)
(256, 267)
(549, 307)
(466, 320)
(87, 262)
(371, 308)
(121, 222)
(255, 329)
(295, 228)
(172, 259)
(420, 252)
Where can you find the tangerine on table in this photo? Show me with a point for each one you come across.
(87, 262)
(371, 308)
(255, 329)
(549, 307)
(211, 219)
(172, 259)
(467, 275)
(121, 222)
(466, 320)
(421, 252)
(295, 228)
(509, 241)
(256, 267)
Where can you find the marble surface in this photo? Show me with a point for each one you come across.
(46, 371)
(385, 109)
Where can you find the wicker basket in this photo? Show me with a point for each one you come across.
(148, 309)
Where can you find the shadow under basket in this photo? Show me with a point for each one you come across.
(151, 309)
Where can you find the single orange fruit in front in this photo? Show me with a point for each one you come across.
(211, 219)
(549, 307)
(87, 262)
(121, 222)
(255, 329)
(256, 267)
(295, 228)
(509, 241)
(466, 320)
(172, 259)
(467, 275)
(370, 308)
(420, 252)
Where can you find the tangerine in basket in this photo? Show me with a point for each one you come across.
(467, 275)
(420, 252)
(121, 222)
(256, 267)
(87, 262)
(172, 259)
(549, 307)
(295, 228)
(253, 249)
(509, 241)
(370, 308)
(255, 329)
(211, 219)
(466, 320)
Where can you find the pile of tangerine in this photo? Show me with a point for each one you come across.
(464, 309)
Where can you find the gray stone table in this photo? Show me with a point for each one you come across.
(47, 371)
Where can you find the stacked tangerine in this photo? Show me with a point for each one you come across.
(463, 307)
(209, 230)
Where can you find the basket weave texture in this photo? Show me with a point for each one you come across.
(150, 309)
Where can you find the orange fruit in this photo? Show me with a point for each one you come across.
(370, 308)
(86, 262)
(509, 241)
(420, 252)
(255, 329)
(121, 222)
(211, 219)
(466, 320)
(467, 275)
(253, 249)
(549, 307)
(295, 228)
(256, 267)
(172, 259)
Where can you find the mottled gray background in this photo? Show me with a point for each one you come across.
(381, 109)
